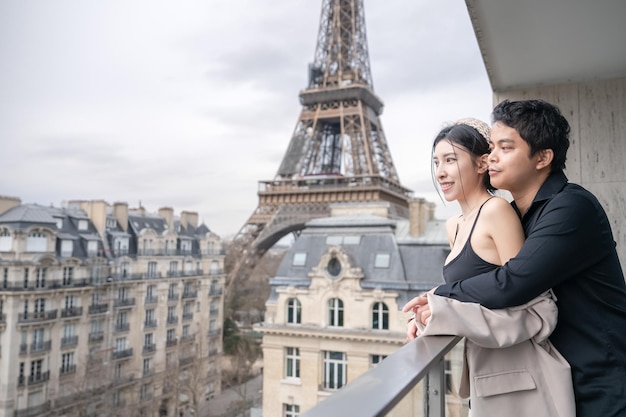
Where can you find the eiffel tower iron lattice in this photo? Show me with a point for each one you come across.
(338, 152)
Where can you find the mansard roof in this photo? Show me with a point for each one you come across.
(407, 266)
(28, 215)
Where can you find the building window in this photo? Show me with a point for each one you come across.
(25, 277)
(173, 268)
(36, 242)
(67, 363)
(68, 274)
(291, 410)
(124, 269)
(6, 241)
(376, 359)
(40, 305)
(121, 344)
(152, 269)
(92, 247)
(294, 311)
(382, 260)
(71, 301)
(82, 225)
(335, 312)
(67, 248)
(335, 370)
(5, 277)
(171, 292)
(170, 335)
(292, 362)
(36, 368)
(40, 279)
(380, 316)
(147, 366)
(299, 259)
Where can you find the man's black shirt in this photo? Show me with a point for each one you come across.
(570, 248)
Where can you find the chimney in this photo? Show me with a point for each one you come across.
(97, 212)
(120, 210)
(420, 212)
(189, 218)
(168, 214)
(7, 203)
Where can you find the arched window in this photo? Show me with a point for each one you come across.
(335, 312)
(380, 316)
(294, 311)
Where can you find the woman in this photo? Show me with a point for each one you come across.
(510, 368)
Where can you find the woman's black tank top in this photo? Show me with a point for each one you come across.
(467, 264)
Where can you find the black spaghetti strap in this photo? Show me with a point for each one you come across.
(476, 218)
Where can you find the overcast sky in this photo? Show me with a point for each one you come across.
(190, 103)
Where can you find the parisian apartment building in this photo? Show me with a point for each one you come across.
(334, 309)
(107, 310)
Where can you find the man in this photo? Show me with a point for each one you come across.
(569, 247)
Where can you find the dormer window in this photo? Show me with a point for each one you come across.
(67, 248)
(83, 225)
(382, 260)
(299, 259)
(59, 224)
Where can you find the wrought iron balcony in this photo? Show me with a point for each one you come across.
(68, 341)
(149, 324)
(187, 316)
(38, 347)
(124, 302)
(172, 320)
(67, 369)
(376, 392)
(122, 353)
(37, 316)
(95, 337)
(122, 327)
(38, 378)
(98, 308)
(190, 294)
(215, 291)
(150, 348)
(72, 312)
(171, 342)
(151, 299)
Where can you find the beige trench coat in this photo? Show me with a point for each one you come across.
(510, 367)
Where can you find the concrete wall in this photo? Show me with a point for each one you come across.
(596, 111)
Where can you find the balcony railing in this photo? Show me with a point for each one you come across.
(96, 337)
(38, 347)
(98, 308)
(120, 354)
(149, 348)
(37, 316)
(215, 292)
(122, 327)
(38, 378)
(68, 341)
(34, 411)
(149, 324)
(72, 312)
(124, 302)
(151, 299)
(190, 294)
(376, 392)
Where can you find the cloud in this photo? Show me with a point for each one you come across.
(189, 104)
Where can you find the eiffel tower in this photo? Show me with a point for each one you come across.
(338, 152)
